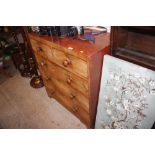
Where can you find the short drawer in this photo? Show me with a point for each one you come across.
(70, 62)
(62, 75)
(67, 61)
(41, 49)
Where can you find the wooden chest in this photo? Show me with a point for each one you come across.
(135, 44)
(71, 71)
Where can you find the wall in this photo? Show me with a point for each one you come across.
(108, 28)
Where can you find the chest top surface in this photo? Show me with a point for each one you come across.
(79, 47)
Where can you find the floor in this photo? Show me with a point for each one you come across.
(23, 107)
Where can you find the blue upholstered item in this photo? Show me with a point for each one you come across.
(127, 96)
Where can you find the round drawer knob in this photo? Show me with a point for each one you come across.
(40, 49)
(43, 64)
(48, 78)
(69, 80)
(72, 96)
(66, 62)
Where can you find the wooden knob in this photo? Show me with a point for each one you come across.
(48, 78)
(66, 62)
(40, 49)
(43, 63)
(69, 80)
(72, 96)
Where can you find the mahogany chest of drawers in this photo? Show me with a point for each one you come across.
(71, 71)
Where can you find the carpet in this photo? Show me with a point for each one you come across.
(23, 107)
(7, 73)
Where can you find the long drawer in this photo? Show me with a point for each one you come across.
(69, 98)
(72, 96)
(67, 61)
(74, 108)
(64, 76)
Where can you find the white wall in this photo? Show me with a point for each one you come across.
(108, 28)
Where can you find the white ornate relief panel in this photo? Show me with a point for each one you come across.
(127, 95)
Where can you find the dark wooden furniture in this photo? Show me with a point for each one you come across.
(135, 44)
(23, 57)
(71, 71)
(6, 51)
(36, 80)
(23, 52)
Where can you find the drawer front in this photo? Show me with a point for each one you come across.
(41, 49)
(72, 96)
(70, 63)
(64, 76)
(73, 107)
(61, 58)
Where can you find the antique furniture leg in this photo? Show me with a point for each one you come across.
(36, 81)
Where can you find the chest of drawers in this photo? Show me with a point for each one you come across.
(71, 71)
